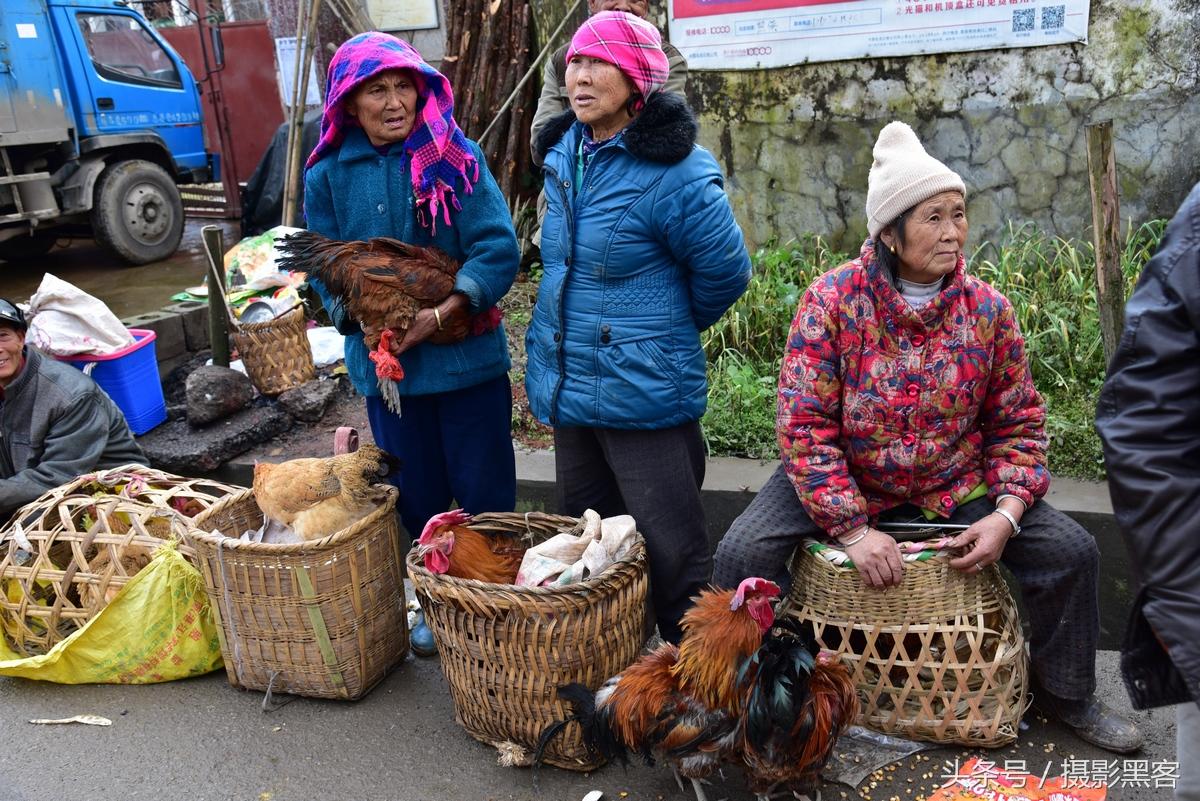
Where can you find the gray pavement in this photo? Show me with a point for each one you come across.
(201, 740)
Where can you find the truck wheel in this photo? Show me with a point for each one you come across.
(137, 212)
(25, 248)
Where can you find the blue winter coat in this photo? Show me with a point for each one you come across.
(356, 194)
(638, 260)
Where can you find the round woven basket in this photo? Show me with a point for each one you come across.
(505, 650)
(940, 657)
(64, 556)
(276, 353)
(323, 619)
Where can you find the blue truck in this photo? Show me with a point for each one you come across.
(100, 121)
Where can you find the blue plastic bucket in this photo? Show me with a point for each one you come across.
(130, 377)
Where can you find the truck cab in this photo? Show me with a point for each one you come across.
(100, 119)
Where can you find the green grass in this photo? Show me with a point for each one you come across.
(1050, 281)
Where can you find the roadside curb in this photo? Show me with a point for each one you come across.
(732, 474)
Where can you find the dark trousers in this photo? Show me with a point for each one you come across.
(452, 445)
(1055, 561)
(655, 476)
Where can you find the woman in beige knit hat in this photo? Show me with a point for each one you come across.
(905, 395)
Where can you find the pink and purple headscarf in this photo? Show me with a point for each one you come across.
(440, 153)
(629, 43)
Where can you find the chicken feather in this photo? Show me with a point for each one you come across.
(799, 703)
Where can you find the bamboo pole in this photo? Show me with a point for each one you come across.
(353, 19)
(218, 321)
(291, 132)
(1106, 231)
(295, 156)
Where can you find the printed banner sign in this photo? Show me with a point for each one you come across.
(753, 34)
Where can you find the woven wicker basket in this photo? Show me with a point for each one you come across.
(86, 539)
(323, 619)
(940, 657)
(276, 353)
(506, 649)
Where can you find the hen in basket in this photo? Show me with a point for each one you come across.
(132, 559)
(122, 562)
(447, 546)
(728, 693)
(319, 497)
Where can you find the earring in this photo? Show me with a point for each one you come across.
(893, 249)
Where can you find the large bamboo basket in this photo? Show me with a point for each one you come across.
(276, 352)
(63, 556)
(940, 657)
(505, 650)
(323, 619)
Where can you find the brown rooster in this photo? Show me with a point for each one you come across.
(800, 701)
(383, 283)
(448, 547)
(682, 704)
(318, 497)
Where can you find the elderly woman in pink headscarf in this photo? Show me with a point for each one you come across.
(641, 253)
(392, 162)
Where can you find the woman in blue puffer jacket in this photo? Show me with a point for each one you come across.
(641, 253)
(393, 162)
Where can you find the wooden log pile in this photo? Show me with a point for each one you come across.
(487, 55)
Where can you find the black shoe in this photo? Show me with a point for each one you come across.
(1095, 722)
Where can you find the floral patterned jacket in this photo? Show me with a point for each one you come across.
(880, 404)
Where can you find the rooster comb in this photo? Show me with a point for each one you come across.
(753, 586)
(456, 517)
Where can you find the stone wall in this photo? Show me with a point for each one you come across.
(795, 143)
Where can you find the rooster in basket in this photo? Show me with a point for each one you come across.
(318, 497)
(682, 704)
(448, 547)
(383, 283)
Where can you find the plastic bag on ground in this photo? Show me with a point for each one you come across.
(65, 321)
(328, 346)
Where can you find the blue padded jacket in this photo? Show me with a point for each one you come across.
(639, 258)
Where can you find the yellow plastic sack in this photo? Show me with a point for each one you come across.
(159, 627)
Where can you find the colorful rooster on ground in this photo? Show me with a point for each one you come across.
(801, 700)
(681, 704)
(735, 691)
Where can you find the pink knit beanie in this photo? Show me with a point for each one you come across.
(629, 43)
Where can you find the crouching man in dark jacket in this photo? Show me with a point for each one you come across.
(56, 423)
(1149, 420)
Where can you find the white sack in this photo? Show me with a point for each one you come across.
(66, 321)
(567, 558)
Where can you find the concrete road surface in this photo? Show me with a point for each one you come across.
(201, 740)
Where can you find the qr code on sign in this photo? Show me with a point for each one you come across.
(1052, 17)
(1023, 20)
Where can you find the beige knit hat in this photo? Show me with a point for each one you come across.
(903, 175)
